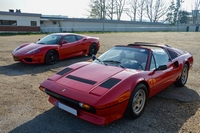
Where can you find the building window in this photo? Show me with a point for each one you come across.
(8, 22)
(33, 23)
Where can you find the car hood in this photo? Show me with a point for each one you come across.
(93, 78)
(23, 49)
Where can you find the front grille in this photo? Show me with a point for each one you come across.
(67, 101)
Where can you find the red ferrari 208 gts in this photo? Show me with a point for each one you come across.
(56, 47)
(119, 82)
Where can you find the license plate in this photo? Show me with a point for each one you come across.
(66, 108)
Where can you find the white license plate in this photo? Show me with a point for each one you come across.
(66, 108)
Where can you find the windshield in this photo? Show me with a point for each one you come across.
(50, 39)
(126, 57)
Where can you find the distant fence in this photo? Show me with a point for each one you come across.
(122, 29)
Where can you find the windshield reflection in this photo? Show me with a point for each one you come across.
(125, 57)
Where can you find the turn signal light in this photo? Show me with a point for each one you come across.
(42, 88)
(85, 106)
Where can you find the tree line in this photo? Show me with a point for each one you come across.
(142, 10)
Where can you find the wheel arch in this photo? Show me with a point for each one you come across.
(146, 84)
(92, 43)
(53, 50)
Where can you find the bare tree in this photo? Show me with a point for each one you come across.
(141, 9)
(196, 4)
(110, 8)
(120, 8)
(156, 9)
(132, 10)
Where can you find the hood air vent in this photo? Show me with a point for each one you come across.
(110, 83)
(64, 71)
(81, 79)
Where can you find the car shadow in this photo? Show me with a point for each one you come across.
(19, 68)
(165, 112)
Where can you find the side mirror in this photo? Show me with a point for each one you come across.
(162, 67)
(38, 39)
(93, 57)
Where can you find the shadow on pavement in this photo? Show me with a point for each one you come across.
(165, 112)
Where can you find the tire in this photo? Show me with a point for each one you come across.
(137, 102)
(184, 76)
(93, 49)
(51, 57)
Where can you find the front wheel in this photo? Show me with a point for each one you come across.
(51, 57)
(93, 49)
(184, 76)
(137, 102)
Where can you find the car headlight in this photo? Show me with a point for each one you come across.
(34, 51)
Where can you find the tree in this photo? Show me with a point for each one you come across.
(141, 8)
(109, 8)
(170, 14)
(97, 9)
(120, 8)
(195, 8)
(132, 11)
(183, 17)
(173, 15)
(156, 9)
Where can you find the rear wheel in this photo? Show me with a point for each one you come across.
(93, 49)
(137, 102)
(51, 57)
(184, 76)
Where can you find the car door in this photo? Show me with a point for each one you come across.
(161, 78)
(70, 47)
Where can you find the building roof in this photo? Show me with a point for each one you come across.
(20, 14)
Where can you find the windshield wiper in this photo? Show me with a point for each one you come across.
(112, 61)
(100, 61)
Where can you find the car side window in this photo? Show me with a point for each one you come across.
(161, 57)
(172, 54)
(79, 37)
(153, 63)
(70, 38)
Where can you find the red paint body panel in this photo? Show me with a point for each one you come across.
(85, 82)
(64, 50)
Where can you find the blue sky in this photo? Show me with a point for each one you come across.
(70, 8)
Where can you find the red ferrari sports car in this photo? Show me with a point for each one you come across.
(56, 47)
(119, 82)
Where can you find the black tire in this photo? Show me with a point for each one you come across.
(93, 49)
(137, 102)
(51, 57)
(184, 76)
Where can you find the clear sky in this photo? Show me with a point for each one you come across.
(70, 8)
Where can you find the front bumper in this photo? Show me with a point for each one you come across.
(101, 116)
(29, 59)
